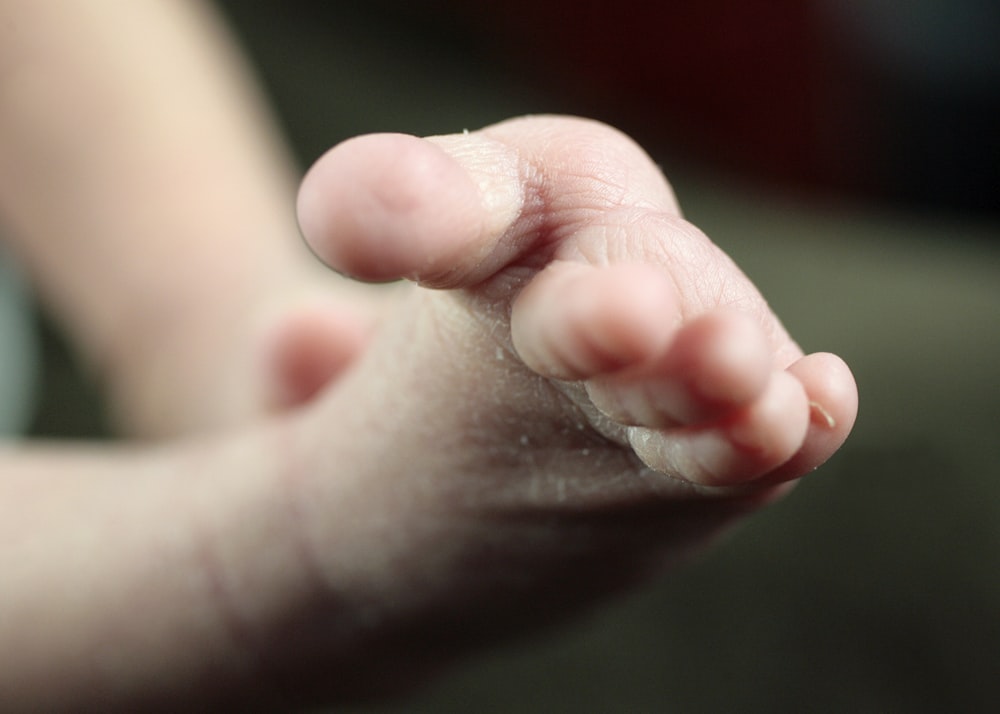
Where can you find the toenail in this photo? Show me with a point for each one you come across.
(825, 416)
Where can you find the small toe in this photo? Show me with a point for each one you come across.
(575, 321)
(833, 402)
(715, 364)
(752, 442)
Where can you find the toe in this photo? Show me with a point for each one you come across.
(833, 402)
(751, 443)
(575, 321)
(388, 206)
(716, 364)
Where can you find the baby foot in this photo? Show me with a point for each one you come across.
(564, 243)
(580, 388)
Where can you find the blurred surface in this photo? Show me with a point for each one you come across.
(18, 355)
(876, 586)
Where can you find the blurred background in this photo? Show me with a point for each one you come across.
(847, 154)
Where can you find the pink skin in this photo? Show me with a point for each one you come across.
(308, 348)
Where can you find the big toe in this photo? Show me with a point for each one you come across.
(388, 206)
